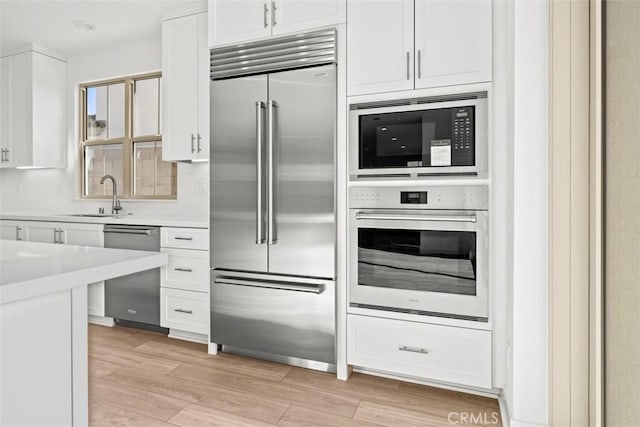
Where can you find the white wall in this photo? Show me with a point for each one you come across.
(58, 190)
(528, 390)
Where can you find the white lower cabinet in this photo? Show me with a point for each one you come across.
(11, 230)
(184, 310)
(187, 270)
(184, 281)
(431, 352)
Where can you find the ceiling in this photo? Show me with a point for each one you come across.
(49, 22)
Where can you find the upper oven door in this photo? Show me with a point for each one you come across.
(416, 140)
(433, 262)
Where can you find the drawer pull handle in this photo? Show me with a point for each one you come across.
(180, 310)
(188, 270)
(183, 238)
(413, 349)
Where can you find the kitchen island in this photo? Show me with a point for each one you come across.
(43, 326)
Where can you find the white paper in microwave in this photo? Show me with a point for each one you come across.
(440, 152)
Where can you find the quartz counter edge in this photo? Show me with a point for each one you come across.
(48, 268)
(123, 219)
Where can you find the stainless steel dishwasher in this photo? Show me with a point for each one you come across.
(134, 297)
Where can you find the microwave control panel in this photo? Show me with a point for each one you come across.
(472, 197)
(463, 129)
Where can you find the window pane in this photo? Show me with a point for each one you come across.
(146, 106)
(100, 160)
(152, 176)
(96, 120)
(116, 111)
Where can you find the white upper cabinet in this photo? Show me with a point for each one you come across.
(390, 47)
(185, 88)
(233, 21)
(33, 130)
(290, 16)
(453, 42)
(380, 46)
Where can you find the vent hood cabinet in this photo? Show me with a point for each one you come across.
(33, 127)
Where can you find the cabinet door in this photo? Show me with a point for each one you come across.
(453, 42)
(15, 109)
(380, 46)
(296, 15)
(202, 147)
(11, 230)
(82, 234)
(44, 232)
(233, 21)
(180, 88)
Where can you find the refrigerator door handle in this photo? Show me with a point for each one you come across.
(314, 288)
(259, 172)
(272, 238)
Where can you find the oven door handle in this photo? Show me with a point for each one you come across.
(425, 218)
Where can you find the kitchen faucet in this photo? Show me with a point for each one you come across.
(115, 206)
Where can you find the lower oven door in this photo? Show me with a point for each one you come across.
(419, 261)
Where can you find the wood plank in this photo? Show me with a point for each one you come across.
(236, 364)
(200, 416)
(122, 356)
(119, 336)
(303, 417)
(401, 395)
(391, 416)
(102, 415)
(99, 368)
(143, 402)
(204, 394)
(287, 393)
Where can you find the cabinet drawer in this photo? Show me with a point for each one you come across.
(185, 238)
(433, 352)
(184, 310)
(186, 269)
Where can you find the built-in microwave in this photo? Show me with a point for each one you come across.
(416, 138)
(420, 250)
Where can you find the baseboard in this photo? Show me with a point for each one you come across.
(492, 393)
(188, 336)
(518, 423)
(213, 348)
(102, 321)
(504, 411)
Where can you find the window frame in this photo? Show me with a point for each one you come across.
(127, 141)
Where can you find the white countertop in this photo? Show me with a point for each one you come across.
(29, 269)
(134, 219)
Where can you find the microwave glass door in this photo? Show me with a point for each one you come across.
(412, 139)
(418, 260)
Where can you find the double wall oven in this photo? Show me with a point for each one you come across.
(415, 246)
(420, 250)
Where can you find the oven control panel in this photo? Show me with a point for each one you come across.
(471, 197)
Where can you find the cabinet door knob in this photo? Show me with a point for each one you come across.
(199, 139)
(193, 140)
(181, 310)
(419, 64)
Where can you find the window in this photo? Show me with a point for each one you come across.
(120, 135)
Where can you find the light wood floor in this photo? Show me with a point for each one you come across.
(139, 378)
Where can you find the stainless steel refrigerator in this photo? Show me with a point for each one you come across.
(273, 199)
